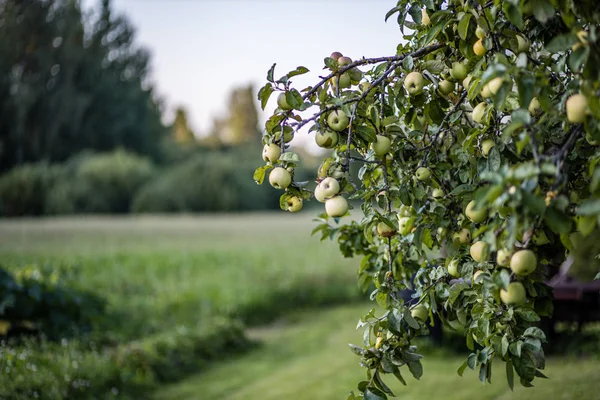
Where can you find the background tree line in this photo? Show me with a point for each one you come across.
(74, 87)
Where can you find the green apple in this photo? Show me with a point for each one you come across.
(384, 230)
(577, 108)
(327, 139)
(486, 146)
(467, 81)
(437, 193)
(338, 120)
(294, 204)
(343, 61)
(413, 83)
(477, 274)
(442, 232)
(355, 74)
(329, 187)
(381, 146)
(280, 178)
(425, 20)
(271, 153)
(453, 268)
(523, 262)
(478, 112)
(463, 237)
(478, 48)
(534, 107)
(405, 225)
(503, 257)
(485, 91)
(495, 84)
(514, 295)
(522, 44)
(479, 251)
(319, 196)
(364, 86)
(282, 102)
(423, 173)
(474, 215)
(446, 87)
(336, 55)
(458, 71)
(336, 206)
(420, 312)
(343, 81)
(479, 32)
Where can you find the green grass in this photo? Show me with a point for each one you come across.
(306, 356)
(162, 272)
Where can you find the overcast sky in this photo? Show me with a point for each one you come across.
(203, 48)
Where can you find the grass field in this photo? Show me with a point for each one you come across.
(171, 285)
(306, 356)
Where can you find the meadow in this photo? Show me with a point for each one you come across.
(222, 307)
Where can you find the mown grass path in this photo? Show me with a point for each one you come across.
(306, 356)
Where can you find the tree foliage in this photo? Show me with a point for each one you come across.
(69, 83)
(478, 146)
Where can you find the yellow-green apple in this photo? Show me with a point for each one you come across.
(522, 44)
(453, 268)
(294, 204)
(495, 84)
(329, 187)
(467, 81)
(280, 178)
(384, 230)
(514, 295)
(474, 215)
(338, 120)
(413, 83)
(405, 225)
(336, 206)
(423, 173)
(458, 71)
(271, 152)
(523, 262)
(479, 32)
(425, 20)
(479, 251)
(437, 193)
(503, 257)
(534, 107)
(381, 145)
(420, 312)
(282, 102)
(326, 139)
(343, 61)
(479, 48)
(343, 81)
(486, 146)
(463, 237)
(479, 112)
(577, 108)
(446, 87)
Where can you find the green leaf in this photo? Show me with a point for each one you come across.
(263, 95)
(557, 221)
(408, 63)
(298, 71)
(410, 320)
(514, 14)
(542, 10)
(461, 370)
(463, 26)
(562, 43)
(293, 98)
(416, 369)
(528, 315)
(535, 332)
(393, 11)
(372, 393)
(270, 73)
(505, 345)
(434, 66)
(290, 156)
(510, 376)
(259, 174)
(589, 207)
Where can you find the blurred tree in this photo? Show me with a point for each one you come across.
(180, 130)
(67, 84)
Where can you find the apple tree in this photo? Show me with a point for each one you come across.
(477, 148)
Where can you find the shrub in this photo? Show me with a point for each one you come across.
(44, 300)
(23, 189)
(217, 181)
(107, 183)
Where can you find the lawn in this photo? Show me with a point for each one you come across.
(177, 289)
(306, 356)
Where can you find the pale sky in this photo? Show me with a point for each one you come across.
(201, 49)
